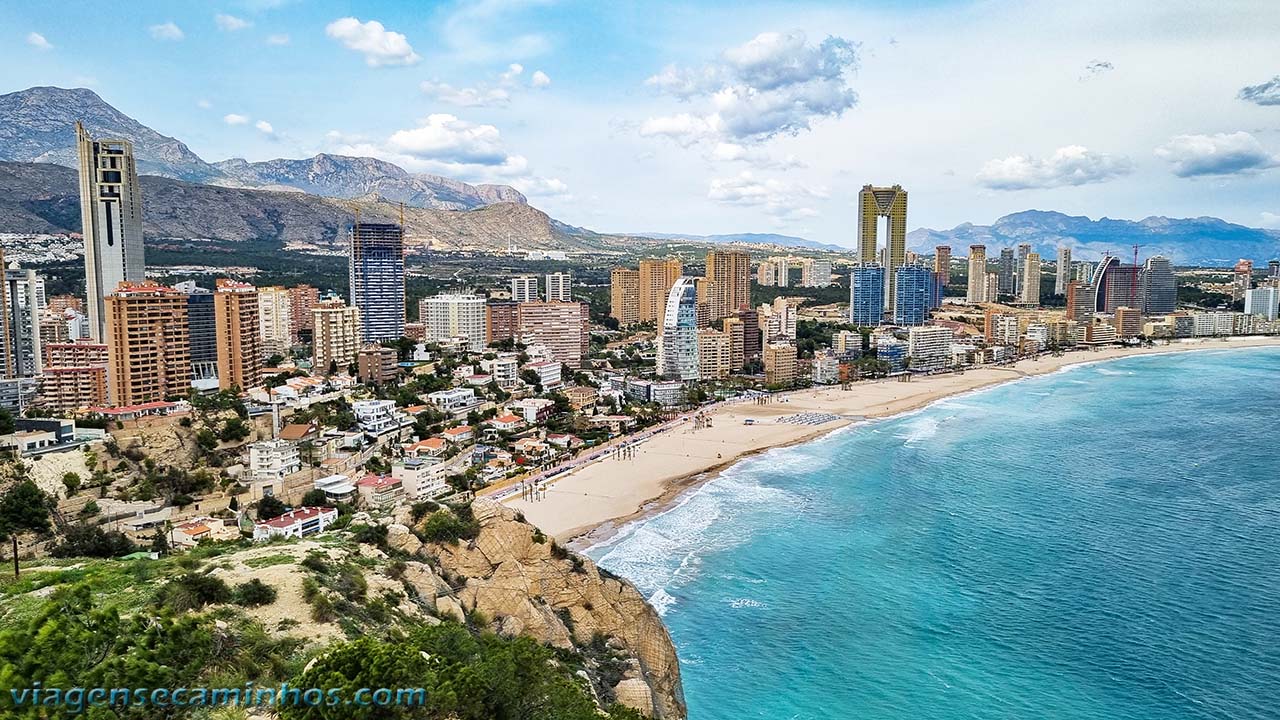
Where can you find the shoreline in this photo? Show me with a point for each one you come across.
(594, 502)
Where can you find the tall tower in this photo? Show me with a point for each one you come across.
(111, 220)
(376, 265)
(873, 204)
(1064, 271)
(977, 290)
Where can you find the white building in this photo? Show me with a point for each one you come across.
(929, 347)
(559, 287)
(454, 316)
(524, 288)
(273, 459)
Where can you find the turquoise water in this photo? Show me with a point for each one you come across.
(1103, 542)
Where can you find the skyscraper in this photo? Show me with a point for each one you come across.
(624, 296)
(1030, 292)
(913, 289)
(111, 220)
(1008, 275)
(376, 266)
(729, 272)
(656, 278)
(977, 289)
(942, 264)
(235, 313)
(875, 203)
(1160, 287)
(678, 346)
(866, 294)
(1063, 275)
(148, 353)
(524, 288)
(559, 287)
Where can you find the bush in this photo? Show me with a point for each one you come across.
(192, 591)
(92, 541)
(254, 593)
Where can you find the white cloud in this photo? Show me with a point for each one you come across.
(166, 31)
(203, 104)
(235, 119)
(1218, 154)
(776, 83)
(784, 201)
(380, 47)
(480, 96)
(278, 39)
(230, 23)
(539, 79)
(1070, 165)
(265, 127)
(38, 41)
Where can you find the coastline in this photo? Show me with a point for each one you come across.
(593, 502)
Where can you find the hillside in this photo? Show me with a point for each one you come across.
(1189, 241)
(502, 614)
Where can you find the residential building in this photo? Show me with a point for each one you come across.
(302, 300)
(977, 288)
(714, 354)
(235, 312)
(914, 288)
(455, 316)
(779, 362)
(929, 348)
(624, 296)
(729, 275)
(942, 264)
(678, 344)
(111, 221)
(376, 267)
(1030, 278)
(377, 364)
(275, 320)
(524, 288)
(891, 203)
(148, 355)
(656, 278)
(559, 287)
(866, 294)
(335, 336)
(562, 327)
(273, 460)
(1063, 274)
(295, 523)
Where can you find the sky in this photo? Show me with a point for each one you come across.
(713, 117)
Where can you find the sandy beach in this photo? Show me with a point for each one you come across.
(586, 505)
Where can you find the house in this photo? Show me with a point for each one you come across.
(379, 490)
(533, 410)
(506, 423)
(460, 434)
(296, 523)
(337, 488)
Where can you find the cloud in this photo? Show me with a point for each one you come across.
(278, 39)
(539, 79)
(265, 127)
(1218, 154)
(380, 47)
(203, 104)
(235, 119)
(781, 200)
(1267, 93)
(36, 40)
(1070, 165)
(480, 96)
(166, 31)
(1094, 68)
(774, 84)
(230, 23)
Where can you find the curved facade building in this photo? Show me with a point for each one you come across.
(678, 350)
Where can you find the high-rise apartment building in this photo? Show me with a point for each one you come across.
(148, 351)
(656, 278)
(866, 294)
(239, 334)
(449, 316)
(376, 268)
(977, 289)
(1063, 275)
(302, 300)
(914, 288)
(524, 288)
(624, 296)
(942, 264)
(729, 275)
(275, 320)
(559, 287)
(563, 328)
(335, 335)
(111, 220)
(890, 203)
(1030, 279)
(678, 346)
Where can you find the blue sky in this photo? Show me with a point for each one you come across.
(713, 117)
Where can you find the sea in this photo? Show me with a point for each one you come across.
(1100, 542)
